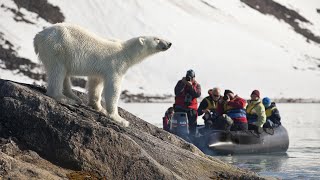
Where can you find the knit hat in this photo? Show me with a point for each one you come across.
(256, 92)
(191, 73)
(266, 102)
(227, 91)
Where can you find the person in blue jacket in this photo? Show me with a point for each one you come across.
(272, 113)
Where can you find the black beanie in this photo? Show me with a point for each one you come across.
(190, 73)
(227, 91)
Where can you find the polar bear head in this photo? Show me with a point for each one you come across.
(138, 48)
(154, 44)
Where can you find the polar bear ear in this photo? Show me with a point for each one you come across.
(141, 40)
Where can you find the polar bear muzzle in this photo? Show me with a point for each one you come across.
(164, 45)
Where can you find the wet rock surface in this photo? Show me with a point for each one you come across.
(43, 138)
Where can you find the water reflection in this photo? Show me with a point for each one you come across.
(266, 163)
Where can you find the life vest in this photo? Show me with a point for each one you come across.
(251, 116)
(269, 111)
(212, 105)
(236, 114)
(180, 100)
(226, 107)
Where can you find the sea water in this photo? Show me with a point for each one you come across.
(301, 161)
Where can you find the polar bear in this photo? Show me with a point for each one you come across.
(68, 50)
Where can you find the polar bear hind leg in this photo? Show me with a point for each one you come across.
(56, 75)
(67, 90)
(95, 87)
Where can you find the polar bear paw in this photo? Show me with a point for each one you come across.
(119, 119)
(77, 100)
(98, 108)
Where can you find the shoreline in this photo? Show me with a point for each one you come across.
(127, 97)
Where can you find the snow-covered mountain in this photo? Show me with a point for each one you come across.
(270, 45)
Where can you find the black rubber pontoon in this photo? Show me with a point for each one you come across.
(248, 142)
(231, 142)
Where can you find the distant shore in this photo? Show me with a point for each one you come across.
(128, 97)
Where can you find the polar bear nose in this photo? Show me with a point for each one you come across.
(168, 45)
(165, 45)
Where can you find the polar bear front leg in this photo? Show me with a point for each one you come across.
(112, 94)
(95, 87)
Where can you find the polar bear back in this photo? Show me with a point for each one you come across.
(75, 48)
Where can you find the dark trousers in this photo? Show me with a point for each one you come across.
(224, 122)
(239, 126)
(192, 119)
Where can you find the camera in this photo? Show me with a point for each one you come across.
(188, 78)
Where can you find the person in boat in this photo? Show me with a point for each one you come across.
(232, 112)
(167, 118)
(208, 106)
(255, 110)
(272, 113)
(186, 92)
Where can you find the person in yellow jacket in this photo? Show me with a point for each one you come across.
(272, 113)
(256, 113)
(208, 106)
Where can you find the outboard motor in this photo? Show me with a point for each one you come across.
(179, 124)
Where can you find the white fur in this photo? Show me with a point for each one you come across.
(68, 50)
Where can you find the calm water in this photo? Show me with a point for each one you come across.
(302, 160)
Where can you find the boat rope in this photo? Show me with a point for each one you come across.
(271, 129)
(253, 133)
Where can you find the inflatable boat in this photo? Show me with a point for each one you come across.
(251, 141)
(268, 140)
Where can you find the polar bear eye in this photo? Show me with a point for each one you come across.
(157, 40)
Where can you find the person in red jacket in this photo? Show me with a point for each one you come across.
(233, 107)
(187, 91)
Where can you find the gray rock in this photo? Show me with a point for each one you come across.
(43, 138)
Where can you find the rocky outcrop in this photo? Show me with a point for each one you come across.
(16, 162)
(43, 8)
(43, 138)
(10, 61)
(281, 12)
